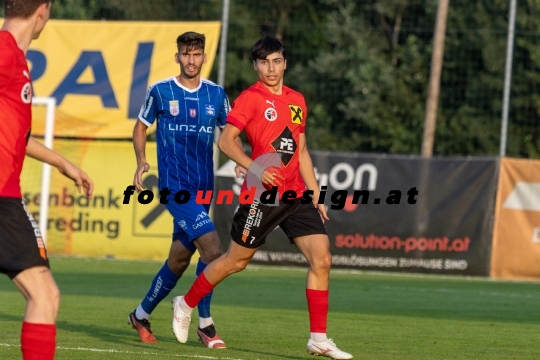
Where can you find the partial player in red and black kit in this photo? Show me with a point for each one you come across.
(274, 118)
(23, 256)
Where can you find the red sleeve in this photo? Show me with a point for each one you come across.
(7, 63)
(304, 114)
(242, 110)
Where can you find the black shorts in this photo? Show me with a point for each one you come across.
(253, 222)
(21, 244)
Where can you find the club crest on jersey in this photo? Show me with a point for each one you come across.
(210, 110)
(26, 93)
(270, 114)
(174, 108)
(296, 114)
(193, 113)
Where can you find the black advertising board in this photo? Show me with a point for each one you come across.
(413, 214)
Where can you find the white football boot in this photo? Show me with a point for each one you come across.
(326, 348)
(181, 321)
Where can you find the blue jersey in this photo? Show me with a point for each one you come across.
(186, 121)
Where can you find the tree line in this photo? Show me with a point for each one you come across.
(363, 66)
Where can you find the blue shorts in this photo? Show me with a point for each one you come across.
(191, 221)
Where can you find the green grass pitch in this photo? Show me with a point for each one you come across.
(261, 314)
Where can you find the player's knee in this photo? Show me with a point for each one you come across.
(55, 300)
(210, 255)
(178, 266)
(241, 265)
(323, 263)
(46, 302)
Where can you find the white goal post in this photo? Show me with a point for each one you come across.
(50, 104)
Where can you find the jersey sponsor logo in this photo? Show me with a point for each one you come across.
(210, 110)
(174, 107)
(285, 145)
(26, 93)
(270, 114)
(271, 103)
(296, 114)
(193, 113)
(191, 128)
(191, 98)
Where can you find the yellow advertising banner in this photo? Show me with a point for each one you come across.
(103, 226)
(516, 233)
(99, 71)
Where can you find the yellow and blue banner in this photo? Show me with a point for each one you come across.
(102, 226)
(99, 71)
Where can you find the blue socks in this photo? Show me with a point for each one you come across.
(164, 281)
(204, 305)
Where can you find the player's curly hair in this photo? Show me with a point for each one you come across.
(192, 40)
(22, 8)
(266, 45)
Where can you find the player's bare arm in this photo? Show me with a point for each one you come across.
(38, 151)
(238, 169)
(139, 144)
(229, 145)
(229, 142)
(308, 174)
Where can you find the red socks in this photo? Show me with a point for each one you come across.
(317, 301)
(200, 288)
(38, 341)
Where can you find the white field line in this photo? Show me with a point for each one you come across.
(191, 356)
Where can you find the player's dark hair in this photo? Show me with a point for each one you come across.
(191, 40)
(22, 8)
(267, 45)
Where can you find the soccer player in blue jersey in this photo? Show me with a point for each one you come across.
(187, 109)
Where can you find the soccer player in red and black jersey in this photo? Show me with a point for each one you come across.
(274, 119)
(23, 256)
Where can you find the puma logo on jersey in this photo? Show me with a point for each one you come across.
(271, 103)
